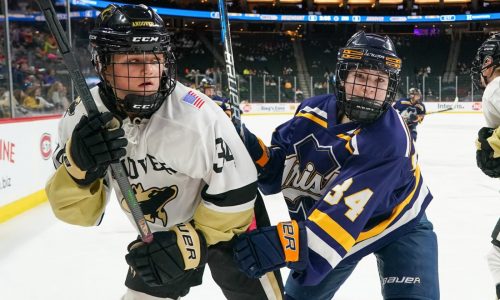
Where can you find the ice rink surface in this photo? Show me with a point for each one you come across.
(42, 258)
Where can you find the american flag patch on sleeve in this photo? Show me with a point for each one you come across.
(193, 99)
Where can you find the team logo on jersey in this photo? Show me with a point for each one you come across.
(72, 107)
(153, 201)
(308, 173)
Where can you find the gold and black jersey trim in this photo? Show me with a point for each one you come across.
(235, 197)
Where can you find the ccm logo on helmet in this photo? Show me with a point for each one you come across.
(145, 39)
(145, 106)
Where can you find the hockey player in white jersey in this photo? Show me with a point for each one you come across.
(486, 73)
(190, 172)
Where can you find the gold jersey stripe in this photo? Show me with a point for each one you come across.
(348, 139)
(333, 229)
(313, 118)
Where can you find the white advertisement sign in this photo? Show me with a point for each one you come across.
(460, 107)
(290, 108)
(26, 149)
(268, 108)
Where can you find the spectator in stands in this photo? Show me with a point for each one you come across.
(50, 46)
(34, 99)
(299, 95)
(49, 78)
(19, 96)
(4, 103)
(57, 95)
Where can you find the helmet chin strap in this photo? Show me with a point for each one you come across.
(134, 102)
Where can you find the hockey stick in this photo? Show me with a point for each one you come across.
(453, 106)
(91, 108)
(234, 97)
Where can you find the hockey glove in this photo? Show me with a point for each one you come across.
(255, 147)
(485, 153)
(172, 255)
(96, 142)
(270, 248)
(409, 115)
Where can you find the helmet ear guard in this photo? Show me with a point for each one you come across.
(369, 56)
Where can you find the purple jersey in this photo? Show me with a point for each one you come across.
(407, 109)
(357, 188)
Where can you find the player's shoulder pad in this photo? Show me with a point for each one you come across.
(386, 137)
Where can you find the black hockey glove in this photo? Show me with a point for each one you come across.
(96, 142)
(173, 255)
(484, 154)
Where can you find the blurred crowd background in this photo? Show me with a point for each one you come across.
(275, 62)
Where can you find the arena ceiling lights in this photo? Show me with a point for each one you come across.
(313, 18)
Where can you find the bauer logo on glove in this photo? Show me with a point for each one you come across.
(270, 248)
(171, 256)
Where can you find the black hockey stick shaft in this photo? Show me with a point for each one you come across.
(234, 97)
(91, 108)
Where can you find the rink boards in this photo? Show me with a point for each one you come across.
(26, 146)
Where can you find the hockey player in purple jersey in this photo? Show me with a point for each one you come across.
(412, 109)
(208, 88)
(348, 170)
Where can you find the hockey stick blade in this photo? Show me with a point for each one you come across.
(234, 97)
(91, 108)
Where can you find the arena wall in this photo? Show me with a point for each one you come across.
(27, 144)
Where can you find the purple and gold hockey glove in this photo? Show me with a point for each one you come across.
(270, 248)
(256, 148)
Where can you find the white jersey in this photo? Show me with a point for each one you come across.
(491, 103)
(188, 153)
